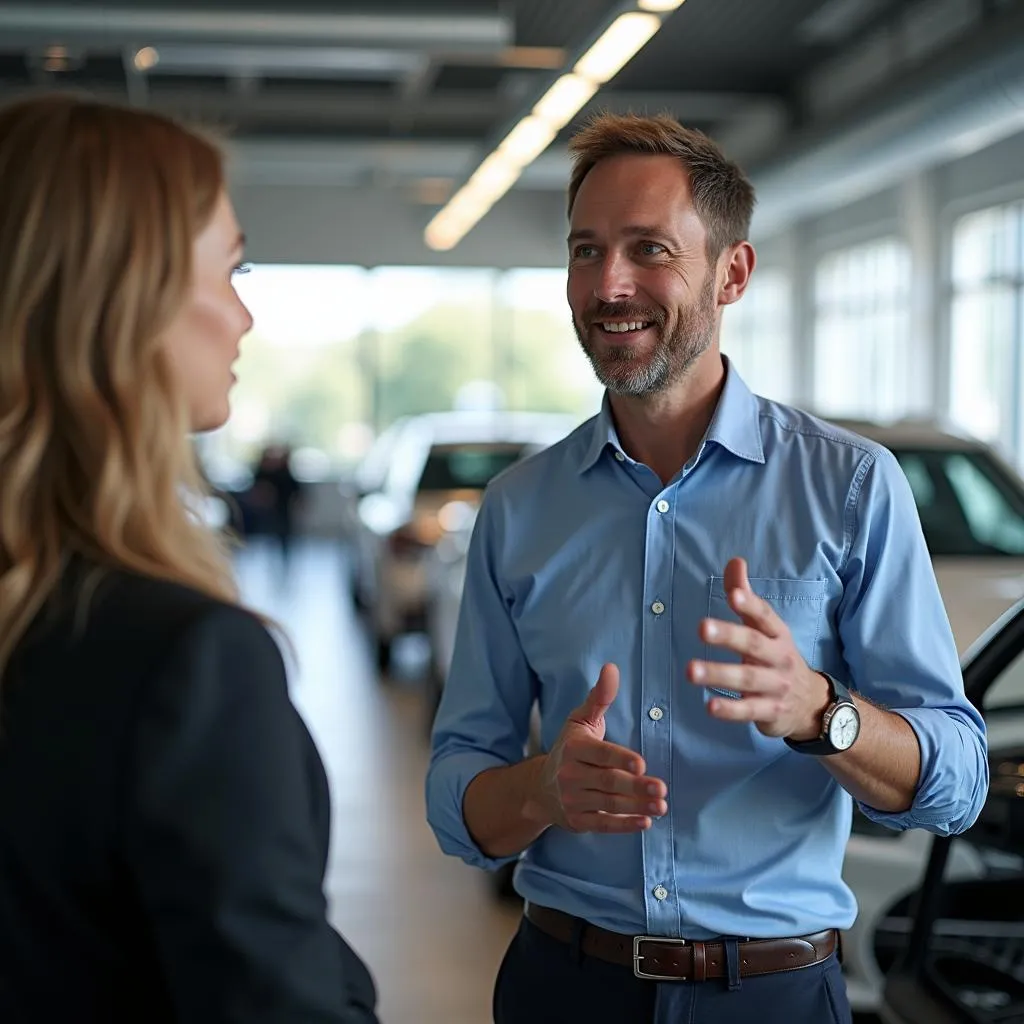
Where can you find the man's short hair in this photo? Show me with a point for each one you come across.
(722, 195)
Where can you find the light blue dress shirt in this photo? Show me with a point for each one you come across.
(580, 556)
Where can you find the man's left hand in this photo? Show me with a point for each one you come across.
(781, 695)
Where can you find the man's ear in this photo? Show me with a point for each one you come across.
(739, 261)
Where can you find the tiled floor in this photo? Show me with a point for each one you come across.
(428, 926)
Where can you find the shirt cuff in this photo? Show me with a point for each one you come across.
(954, 775)
(447, 782)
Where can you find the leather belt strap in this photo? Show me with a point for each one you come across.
(664, 959)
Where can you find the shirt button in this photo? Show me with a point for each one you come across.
(662, 505)
(657, 607)
(661, 893)
(656, 714)
(620, 456)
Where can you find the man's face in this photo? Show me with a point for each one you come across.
(641, 291)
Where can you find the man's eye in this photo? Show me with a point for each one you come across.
(651, 248)
(242, 268)
(584, 252)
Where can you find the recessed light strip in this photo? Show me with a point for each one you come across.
(616, 46)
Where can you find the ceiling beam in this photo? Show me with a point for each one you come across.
(34, 25)
(343, 109)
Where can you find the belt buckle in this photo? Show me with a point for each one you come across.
(663, 940)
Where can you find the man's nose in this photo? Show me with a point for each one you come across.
(615, 281)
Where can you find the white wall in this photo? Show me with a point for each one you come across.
(374, 227)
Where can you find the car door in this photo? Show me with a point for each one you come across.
(964, 959)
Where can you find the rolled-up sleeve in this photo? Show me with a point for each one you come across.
(484, 717)
(900, 651)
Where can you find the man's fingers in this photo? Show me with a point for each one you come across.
(750, 709)
(587, 801)
(618, 824)
(591, 712)
(745, 641)
(746, 679)
(575, 776)
(736, 575)
(602, 754)
(753, 610)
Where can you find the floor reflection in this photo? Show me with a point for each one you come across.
(428, 925)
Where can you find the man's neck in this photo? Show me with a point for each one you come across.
(663, 431)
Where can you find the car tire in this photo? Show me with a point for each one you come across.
(383, 645)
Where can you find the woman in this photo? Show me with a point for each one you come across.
(163, 811)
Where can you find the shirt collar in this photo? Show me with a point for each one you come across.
(735, 425)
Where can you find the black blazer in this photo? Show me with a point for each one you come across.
(164, 821)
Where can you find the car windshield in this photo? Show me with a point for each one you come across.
(468, 466)
(968, 504)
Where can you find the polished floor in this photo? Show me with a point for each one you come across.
(428, 926)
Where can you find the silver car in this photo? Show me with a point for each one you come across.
(436, 469)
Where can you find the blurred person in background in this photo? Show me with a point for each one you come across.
(275, 495)
(728, 617)
(164, 814)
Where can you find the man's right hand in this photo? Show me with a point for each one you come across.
(590, 785)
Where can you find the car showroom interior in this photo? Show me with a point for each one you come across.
(400, 173)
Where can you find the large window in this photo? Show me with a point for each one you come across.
(544, 367)
(757, 335)
(861, 331)
(431, 340)
(337, 354)
(987, 335)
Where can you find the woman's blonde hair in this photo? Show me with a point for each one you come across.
(99, 209)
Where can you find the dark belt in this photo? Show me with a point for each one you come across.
(664, 959)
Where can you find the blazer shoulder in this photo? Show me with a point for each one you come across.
(128, 624)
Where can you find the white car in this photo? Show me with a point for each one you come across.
(971, 505)
(964, 960)
(437, 467)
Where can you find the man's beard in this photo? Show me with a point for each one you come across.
(625, 371)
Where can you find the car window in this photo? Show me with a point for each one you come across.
(1008, 690)
(455, 467)
(968, 505)
(991, 517)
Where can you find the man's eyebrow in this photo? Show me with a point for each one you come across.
(632, 230)
(239, 242)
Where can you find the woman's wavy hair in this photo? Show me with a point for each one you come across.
(99, 209)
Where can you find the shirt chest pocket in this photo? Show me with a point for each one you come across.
(798, 603)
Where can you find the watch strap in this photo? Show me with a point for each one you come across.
(822, 746)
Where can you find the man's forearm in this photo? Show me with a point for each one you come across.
(883, 768)
(501, 808)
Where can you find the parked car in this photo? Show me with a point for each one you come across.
(963, 962)
(971, 505)
(437, 467)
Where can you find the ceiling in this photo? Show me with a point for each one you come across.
(416, 93)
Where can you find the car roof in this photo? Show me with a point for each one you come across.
(499, 425)
(910, 432)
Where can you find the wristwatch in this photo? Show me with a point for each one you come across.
(840, 724)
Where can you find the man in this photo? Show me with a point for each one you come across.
(727, 614)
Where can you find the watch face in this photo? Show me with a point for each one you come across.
(843, 727)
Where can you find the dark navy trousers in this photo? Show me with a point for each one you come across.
(544, 981)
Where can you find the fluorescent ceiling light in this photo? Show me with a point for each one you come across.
(440, 238)
(494, 176)
(535, 132)
(564, 99)
(659, 6)
(527, 140)
(624, 37)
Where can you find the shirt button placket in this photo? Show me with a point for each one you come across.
(657, 841)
